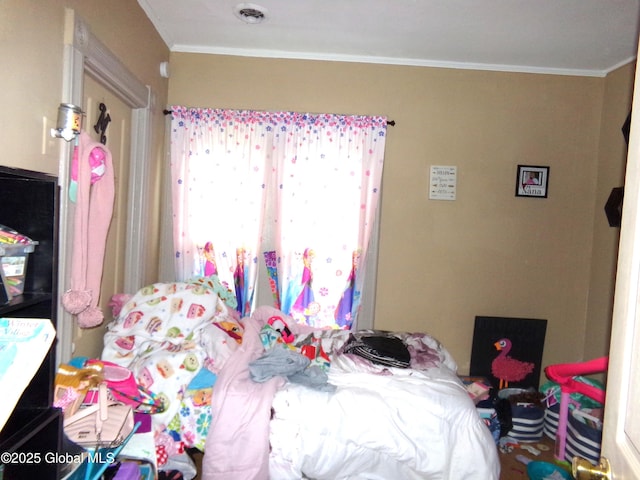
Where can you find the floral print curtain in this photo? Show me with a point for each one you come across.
(304, 188)
(329, 169)
(218, 171)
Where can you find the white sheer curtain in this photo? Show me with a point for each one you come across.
(218, 168)
(329, 169)
(320, 176)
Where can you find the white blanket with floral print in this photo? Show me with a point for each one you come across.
(166, 334)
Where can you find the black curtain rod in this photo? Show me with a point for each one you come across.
(389, 122)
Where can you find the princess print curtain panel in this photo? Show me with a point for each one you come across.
(293, 193)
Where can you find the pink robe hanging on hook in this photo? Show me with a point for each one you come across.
(94, 209)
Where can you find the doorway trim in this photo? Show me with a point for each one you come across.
(84, 54)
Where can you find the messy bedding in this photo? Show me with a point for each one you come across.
(264, 397)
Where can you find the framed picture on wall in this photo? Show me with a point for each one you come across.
(532, 181)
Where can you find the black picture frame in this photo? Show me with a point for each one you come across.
(532, 181)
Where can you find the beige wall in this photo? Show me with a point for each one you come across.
(31, 59)
(441, 263)
(611, 169)
(31, 50)
(489, 252)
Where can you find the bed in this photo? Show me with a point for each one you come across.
(264, 397)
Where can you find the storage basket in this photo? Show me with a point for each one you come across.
(578, 434)
(584, 437)
(551, 419)
(527, 413)
(551, 392)
(528, 422)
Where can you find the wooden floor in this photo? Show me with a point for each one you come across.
(512, 469)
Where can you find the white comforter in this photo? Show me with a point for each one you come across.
(379, 423)
(408, 425)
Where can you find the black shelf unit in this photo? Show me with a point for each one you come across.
(29, 203)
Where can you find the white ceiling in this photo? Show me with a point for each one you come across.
(575, 37)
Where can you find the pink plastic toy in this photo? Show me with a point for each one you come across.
(279, 325)
(563, 374)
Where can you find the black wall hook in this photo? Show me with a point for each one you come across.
(102, 123)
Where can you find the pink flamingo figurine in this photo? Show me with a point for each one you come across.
(508, 369)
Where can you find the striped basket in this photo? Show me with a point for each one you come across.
(528, 422)
(584, 437)
(551, 419)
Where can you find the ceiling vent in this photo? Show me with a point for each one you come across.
(250, 13)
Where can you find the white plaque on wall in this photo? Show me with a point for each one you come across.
(442, 183)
